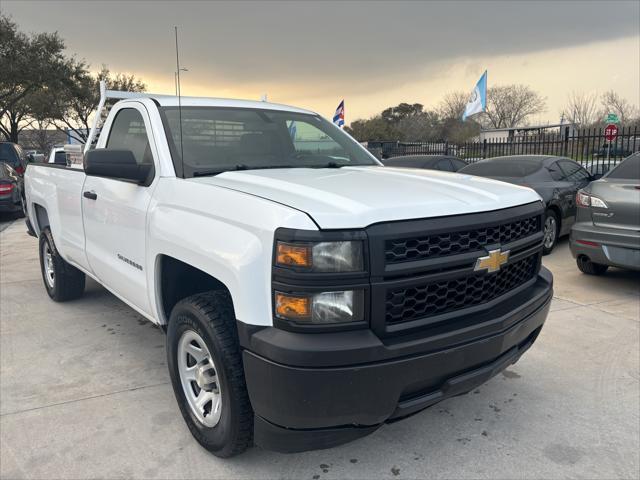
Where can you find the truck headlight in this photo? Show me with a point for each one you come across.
(321, 308)
(344, 256)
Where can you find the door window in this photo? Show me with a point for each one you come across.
(129, 133)
(573, 171)
(457, 164)
(444, 165)
(556, 173)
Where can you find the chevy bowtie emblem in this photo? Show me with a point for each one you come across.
(492, 262)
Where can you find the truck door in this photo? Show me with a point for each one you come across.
(115, 211)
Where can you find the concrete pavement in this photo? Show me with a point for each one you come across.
(84, 393)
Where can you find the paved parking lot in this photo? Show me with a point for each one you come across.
(84, 393)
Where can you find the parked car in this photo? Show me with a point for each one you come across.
(555, 179)
(614, 151)
(446, 163)
(308, 298)
(58, 156)
(34, 156)
(14, 155)
(607, 230)
(11, 189)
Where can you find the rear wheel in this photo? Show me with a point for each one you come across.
(551, 231)
(205, 365)
(62, 281)
(587, 266)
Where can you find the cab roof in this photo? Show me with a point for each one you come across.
(172, 101)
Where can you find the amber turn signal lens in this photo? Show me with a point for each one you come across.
(291, 255)
(288, 306)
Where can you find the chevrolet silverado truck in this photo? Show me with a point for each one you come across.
(308, 293)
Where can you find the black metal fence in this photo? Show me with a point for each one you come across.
(587, 146)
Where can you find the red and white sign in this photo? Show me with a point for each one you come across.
(611, 132)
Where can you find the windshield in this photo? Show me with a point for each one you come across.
(628, 169)
(217, 139)
(514, 167)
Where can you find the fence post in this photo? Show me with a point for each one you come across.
(446, 147)
(565, 148)
(484, 148)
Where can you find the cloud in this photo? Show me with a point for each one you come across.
(313, 51)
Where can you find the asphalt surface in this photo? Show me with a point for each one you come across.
(84, 393)
(5, 220)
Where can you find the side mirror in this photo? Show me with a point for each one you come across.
(118, 164)
(595, 176)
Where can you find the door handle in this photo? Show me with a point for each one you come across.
(90, 195)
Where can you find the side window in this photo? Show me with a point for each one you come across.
(128, 133)
(7, 154)
(573, 171)
(444, 165)
(457, 164)
(556, 173)
(310, 140)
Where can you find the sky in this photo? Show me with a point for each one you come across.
(371, 54)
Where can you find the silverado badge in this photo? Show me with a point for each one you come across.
(492, 262)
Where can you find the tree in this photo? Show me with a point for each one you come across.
(72, 111)
(401, 111)
(581, 108)
(29, 65)
(510, 105)
(453, 104)
(451, 109)
(613, 103)
(375, 128)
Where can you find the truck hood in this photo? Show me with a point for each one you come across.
(356, 197)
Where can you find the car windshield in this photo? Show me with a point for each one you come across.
(628, 169)
(217, 139)
(513, 167)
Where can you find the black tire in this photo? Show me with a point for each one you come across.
(68, 281)
(211, 316)
(587, 266)
(552, 216)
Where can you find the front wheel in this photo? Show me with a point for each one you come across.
(551, 231)
(205, 365)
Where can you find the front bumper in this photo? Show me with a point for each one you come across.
(613, 247)
(315, 390)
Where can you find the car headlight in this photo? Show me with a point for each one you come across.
(336, 257)
(320, 308)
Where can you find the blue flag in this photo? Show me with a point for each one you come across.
(478, 100)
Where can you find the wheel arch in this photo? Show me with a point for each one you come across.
(558, 211)
(42, 218)
(176, 280)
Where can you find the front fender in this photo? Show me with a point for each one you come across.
(224, 233)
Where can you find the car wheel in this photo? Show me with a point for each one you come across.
(62, 280)
(205, 365)
(551, 230)
(587, 266)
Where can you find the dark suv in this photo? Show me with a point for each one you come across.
(13, 155)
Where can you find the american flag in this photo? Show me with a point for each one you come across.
(338, 118)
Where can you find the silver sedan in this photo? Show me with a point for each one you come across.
(607, 228)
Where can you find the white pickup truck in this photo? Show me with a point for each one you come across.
(308, 293)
